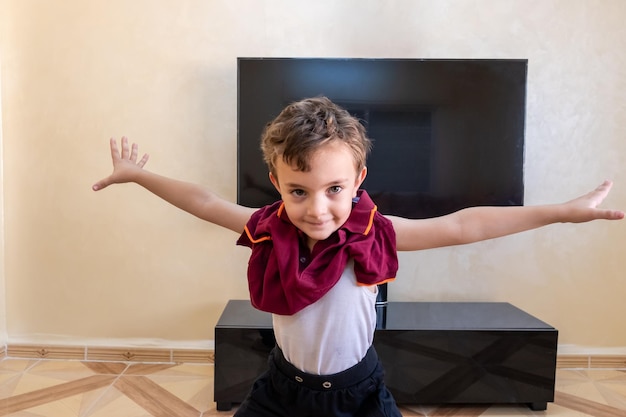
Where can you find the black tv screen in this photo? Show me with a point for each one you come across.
(447, 134)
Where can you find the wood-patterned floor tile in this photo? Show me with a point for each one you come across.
(195, 389)
(107, 368)
(113, 403)
(149, 368)
(51, 388)
(459, 411)
(589, 407)
(153, 398)
(46, 395)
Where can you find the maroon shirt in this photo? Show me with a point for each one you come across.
(284, 276)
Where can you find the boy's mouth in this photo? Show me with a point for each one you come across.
(316, 225)
(316, 222)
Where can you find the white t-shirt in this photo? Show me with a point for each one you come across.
(332, 334)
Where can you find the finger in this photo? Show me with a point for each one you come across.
(605, 187)
(125, 150)
(115, 153)
(143, 160)
(103, 183)
(611, 214)
(133, 152)
(596, 197)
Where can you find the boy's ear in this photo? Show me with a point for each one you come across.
(274, 181)
(361, 177)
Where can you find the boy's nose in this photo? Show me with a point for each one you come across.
(317, 207)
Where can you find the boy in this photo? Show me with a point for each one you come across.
(318, 254)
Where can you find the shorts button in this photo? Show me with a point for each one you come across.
(299, 379)
(327, 384)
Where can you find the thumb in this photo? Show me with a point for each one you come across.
(103, 183)
(612, 214)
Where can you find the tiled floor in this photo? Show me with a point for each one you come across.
(55, 388)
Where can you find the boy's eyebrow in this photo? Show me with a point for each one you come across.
(338, 181)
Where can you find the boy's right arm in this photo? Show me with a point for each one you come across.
(192, 198)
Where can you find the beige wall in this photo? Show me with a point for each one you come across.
(120, 266)
(3, 307)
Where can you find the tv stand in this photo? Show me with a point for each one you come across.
(433, 353)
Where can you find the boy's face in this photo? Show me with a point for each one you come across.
(319, 201)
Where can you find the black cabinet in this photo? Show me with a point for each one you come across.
(433, 353)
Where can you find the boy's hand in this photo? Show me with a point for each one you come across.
(585, 208)
(125, 164)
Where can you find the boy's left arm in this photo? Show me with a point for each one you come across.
(481, 223)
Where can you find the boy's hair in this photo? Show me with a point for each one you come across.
(304, 126)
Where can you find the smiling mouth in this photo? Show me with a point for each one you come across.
(317, 225)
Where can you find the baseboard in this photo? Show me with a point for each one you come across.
(594, 361)
(112, 354)
(179, 355)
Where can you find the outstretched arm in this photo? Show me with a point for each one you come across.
(481, 223)
(192, 198)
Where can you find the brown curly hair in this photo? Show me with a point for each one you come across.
(304, 126)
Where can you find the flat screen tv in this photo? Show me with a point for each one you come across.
(447, 133)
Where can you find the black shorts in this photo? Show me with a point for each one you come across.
(284, 391)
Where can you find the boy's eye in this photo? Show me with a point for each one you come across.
(298, 192)
(335, 189)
